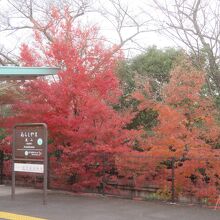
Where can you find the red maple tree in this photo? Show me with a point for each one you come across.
(77, 104)
(187, 130)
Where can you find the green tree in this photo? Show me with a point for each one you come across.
(152, 67)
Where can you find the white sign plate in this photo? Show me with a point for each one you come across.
(30, 168)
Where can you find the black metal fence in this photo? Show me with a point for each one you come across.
(147, 177)
(128, 169)
(154, 177)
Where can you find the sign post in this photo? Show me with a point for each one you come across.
(29, 152)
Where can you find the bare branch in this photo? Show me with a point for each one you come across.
(195, 24)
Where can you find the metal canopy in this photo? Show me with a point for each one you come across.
(25, 73)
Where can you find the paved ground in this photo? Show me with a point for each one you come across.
(63, 206)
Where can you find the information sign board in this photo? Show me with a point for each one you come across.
(29, 141)
(29, 151)
(29, 167)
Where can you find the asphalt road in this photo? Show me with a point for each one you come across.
(62, 206)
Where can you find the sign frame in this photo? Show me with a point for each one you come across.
(30, 161)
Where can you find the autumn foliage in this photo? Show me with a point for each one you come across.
(187, 131)
(77, 104)
(78, 107)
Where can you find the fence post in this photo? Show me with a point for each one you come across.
(48, 171)
(103, 173)
(173, 180)
(1, 166)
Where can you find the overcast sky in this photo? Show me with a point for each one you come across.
(145, 40)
